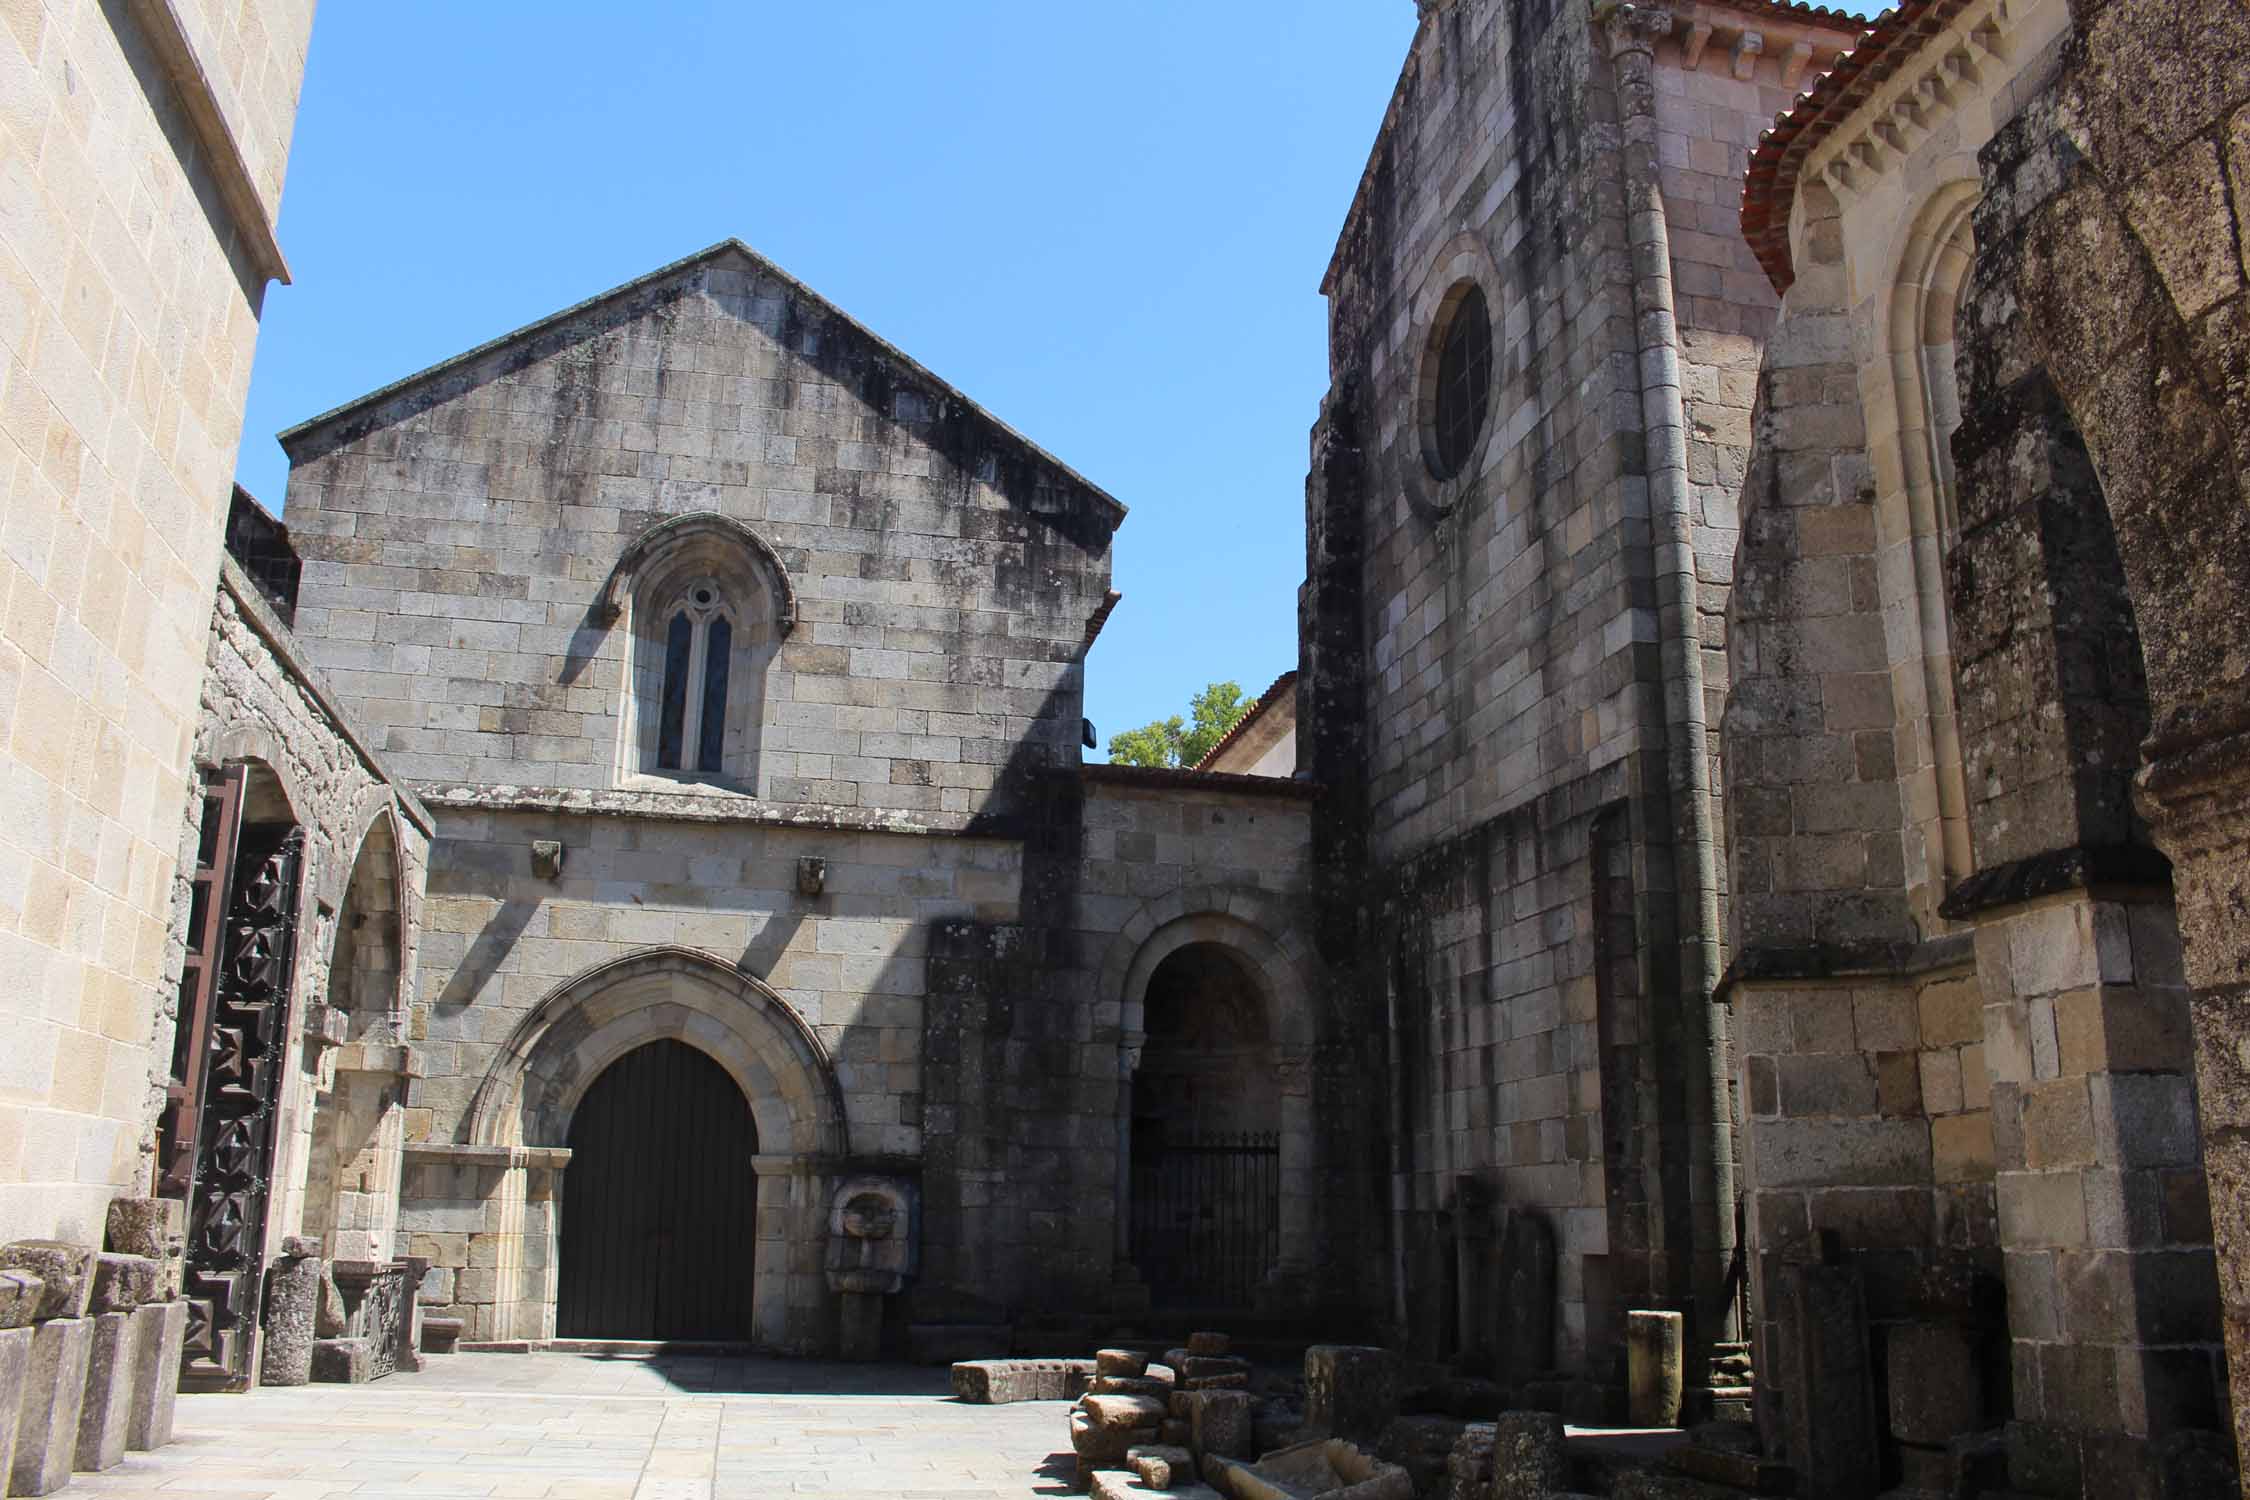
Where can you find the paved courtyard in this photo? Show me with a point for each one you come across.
(587, 1427)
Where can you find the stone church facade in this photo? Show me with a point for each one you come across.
(741, 661)
(1755, 831)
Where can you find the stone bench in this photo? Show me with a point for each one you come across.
(997, 1382)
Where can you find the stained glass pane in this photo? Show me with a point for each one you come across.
(672, 722)
(713, 732)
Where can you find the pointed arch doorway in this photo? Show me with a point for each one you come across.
(659, 1218)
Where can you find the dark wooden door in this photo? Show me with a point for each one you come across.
(660, 1222)
(244, 1059)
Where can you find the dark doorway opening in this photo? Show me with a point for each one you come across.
(660, 1203)
(1206, 1155)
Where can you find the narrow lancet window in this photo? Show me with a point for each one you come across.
(718, 650)
(672, 725)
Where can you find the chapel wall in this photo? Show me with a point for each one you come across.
(1523, 831)
(1963, 1010)
(458, 534)
(133, 284)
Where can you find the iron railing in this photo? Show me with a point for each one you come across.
(1206, 1220)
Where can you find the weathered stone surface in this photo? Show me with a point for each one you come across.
(1468, 1467)
(1222, 1423)
(342, 1361)
(1113, 1485)
(158, 1338)
(1121, 1385)
(292, 1307)
(64, 1272)
(54, 1386)
(1100, 1447)
(1351, 1390)
(1529, 1459)
(15, 1361)
(439, 1335)
(1328, 1467)
(1123, 1411)
(1939, 1392)
(1742, 1471)
(1524, 1310)
(106, 1411)
(147, 1227)
(1829, 1400)
(20, 1295)
(1208, 1345)
(1422, 1446)
(1159, 1465)
(1655, 1348)
(1125, 1362)
(124, 1282)
(151, 1228)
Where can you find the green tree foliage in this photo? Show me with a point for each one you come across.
(1179, 741)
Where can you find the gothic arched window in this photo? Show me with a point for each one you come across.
(691, 730)
(705, 603)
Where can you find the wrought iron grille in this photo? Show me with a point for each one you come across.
(1206, 1220)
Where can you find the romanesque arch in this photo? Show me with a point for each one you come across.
(1257, 936)
(557, 1050)
(566, 1042)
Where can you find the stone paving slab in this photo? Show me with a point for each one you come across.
(589, 1427)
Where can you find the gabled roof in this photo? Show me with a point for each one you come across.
(469, 369)
(1284, 687)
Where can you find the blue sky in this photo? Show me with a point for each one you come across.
(1107, 223)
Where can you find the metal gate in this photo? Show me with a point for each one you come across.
(660, 1205)
(1207, 1218)
(238, 1039)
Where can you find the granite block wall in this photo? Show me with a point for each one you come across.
(132, 271)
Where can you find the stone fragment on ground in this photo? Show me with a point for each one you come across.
(20, 1295)
(997, 1382)
(1209, 1345)
(1530, 1460)
(1099, 1447)
(1351, 1390)
(1122, 1385)
(1469, 1466)
(1222, 1423)
(1329, 1468)
(1421, 1445)
(1161, 1465)
(123, 1282)
(1120, 1362)
(1116, 1485)
(64, 1273)
(1123, 1411)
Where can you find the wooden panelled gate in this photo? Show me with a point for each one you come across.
(659, 1214)
(1206, 1217)
(229, 1057)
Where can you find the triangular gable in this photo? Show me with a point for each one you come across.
(533, 342)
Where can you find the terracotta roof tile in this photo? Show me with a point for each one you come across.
(1770, 191)
(1286, 682)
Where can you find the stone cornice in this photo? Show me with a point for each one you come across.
(237, 585)
(1870, 107)
(160, 23)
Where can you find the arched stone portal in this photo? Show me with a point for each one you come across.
(1205, 1152)
(560, 1050)
(1218, 1026)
